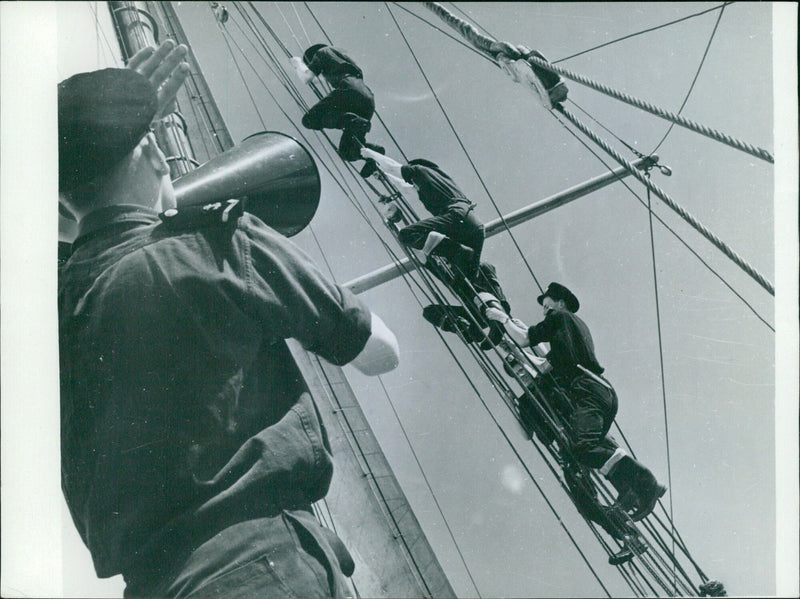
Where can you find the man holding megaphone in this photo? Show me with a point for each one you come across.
(191, 448)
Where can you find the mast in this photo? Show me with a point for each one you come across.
(365, 505)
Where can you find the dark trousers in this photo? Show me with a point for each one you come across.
(459, 224)
(354, 97)
(594, 412)
(287, 556)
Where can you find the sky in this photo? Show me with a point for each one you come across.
(693, 366)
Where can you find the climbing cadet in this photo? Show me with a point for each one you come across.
(191, 447)
(348, 107)
(453, 232)
(577, 371)
(516, 59)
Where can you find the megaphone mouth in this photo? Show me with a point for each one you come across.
(273, 172)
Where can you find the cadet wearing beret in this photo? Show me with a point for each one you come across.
(191, 448)
(579, 374)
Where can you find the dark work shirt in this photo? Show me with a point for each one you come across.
(334, 65)
(437, 191)
(570, 343)
(182, 411)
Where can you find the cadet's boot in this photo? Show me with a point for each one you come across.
(623, 555)
(649, 492)
(459, 256)
(357, 125)
(369, 168)
(375, 148)
(620, 480)
(638, 489)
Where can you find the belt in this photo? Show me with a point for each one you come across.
(597, 378)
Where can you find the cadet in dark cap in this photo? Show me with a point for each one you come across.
(348, 107)
(191, 448)
(579, 374)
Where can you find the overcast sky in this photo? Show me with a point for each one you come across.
(716, 409)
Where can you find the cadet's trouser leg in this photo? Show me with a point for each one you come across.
(289, 555)
(328, 113)
(595, 409)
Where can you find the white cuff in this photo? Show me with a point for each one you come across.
(381, 352)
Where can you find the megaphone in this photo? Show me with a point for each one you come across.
(272, 172)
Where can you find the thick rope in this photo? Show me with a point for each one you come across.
(699, 227)
(484, 44)
(660, 112)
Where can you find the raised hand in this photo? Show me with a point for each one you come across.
(166, 69)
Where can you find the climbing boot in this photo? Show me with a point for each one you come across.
(638, 489)
(623, 555)
(354, 130)
(619, 476)
(649, 492)
(459, 256)
(452, 319)
(375, 148)
(369, 168)
(357, 125)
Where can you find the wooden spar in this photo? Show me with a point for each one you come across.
(392, 271)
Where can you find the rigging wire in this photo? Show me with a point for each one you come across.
(696, 75)
(300, 21)
(626, 185)
(688, 217)
(670, 229)
(650, 29)
(377, 113)
(485, 44)
(429, 486)
(434, 93)
(578, 548)
(464, 149)
(100, 33)
(661, 363)
(446, 33)
(655, 279)
(356, 449)
(658, 317)
(632, 149)
(444, 519)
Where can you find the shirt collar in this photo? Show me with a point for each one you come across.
(108, 216)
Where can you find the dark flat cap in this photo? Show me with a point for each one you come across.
(308, 55)
(102, 115)
(423, 162)
(556, 291)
